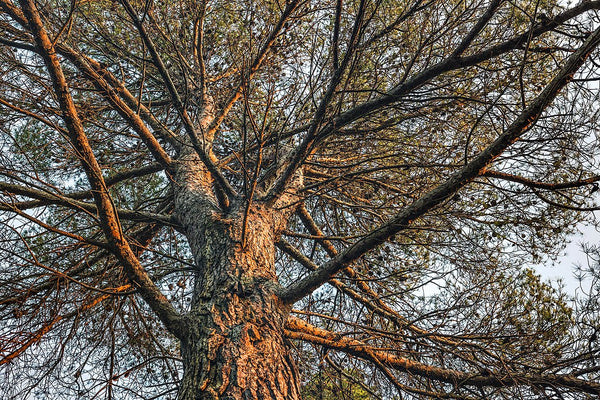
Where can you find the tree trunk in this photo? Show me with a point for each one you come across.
(235, 347)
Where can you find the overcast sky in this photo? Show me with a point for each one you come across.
(564, 268)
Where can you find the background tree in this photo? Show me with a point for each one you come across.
(329, 199)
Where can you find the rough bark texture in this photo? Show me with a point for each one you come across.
(234, 346)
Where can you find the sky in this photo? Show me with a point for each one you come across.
(564, 268)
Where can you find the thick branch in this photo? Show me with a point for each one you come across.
(458, 180)
(109, 219)
(198, 47)
(301, 330)
(477, 28)
(80, 195)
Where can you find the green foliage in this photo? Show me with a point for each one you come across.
(327, 384)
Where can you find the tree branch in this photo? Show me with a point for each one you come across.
(454, 183)
(477, 28)
(374, 302)
(128, 114)
(44, 198)
(139, 239)
(538, 184)
(46, 327)
(222, 183)
(254, 67)
(450, 64)
(109, 219)
(301, 330)
(295, 159)
(84, 64)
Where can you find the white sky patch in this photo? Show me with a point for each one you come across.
(565, 268)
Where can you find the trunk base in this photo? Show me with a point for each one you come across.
(246, 360)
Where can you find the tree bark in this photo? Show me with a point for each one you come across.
(234, 346)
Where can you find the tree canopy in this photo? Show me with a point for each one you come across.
(349, 197)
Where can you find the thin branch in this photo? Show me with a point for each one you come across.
(375, 304)
(538, 184)
(128, 114)
(396, 93)
(254, 66)
(449, 64)
(295, 159)
(94, 73)
(564, 206)
(139, 240)
(46, 327)
(47, 198)
(477, 28)
(203, 151)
